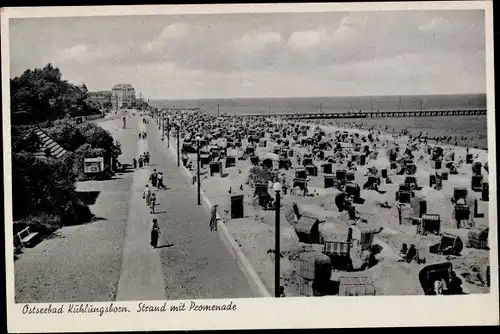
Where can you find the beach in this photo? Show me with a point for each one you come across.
(378, 212)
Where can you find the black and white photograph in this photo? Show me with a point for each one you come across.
(182, 161)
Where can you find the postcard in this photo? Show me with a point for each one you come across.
(249, 166)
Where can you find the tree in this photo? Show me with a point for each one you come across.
(43, 95)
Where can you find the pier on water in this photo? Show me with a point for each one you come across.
(373, 114)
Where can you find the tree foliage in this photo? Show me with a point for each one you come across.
(41, 94)
(40, 185)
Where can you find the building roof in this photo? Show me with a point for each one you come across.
(100, 93)
(123, 86)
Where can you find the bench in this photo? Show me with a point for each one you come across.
(25, 236)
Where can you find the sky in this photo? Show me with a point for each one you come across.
(262, 55)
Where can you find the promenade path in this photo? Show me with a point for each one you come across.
(195, 263)
(82, 263)
(110, 258)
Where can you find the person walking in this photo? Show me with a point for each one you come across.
(213, 218)
(153, 178)
(148, 195)
(159, 181)
(152, 203)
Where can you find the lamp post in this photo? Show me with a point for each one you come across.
(168, 132)
(162, 125)
(198, 168)
(178, 146)
(277, 253)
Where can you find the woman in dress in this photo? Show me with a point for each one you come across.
(155, 232)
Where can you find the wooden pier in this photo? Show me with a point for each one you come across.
(373, 114)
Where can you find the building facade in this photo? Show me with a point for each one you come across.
(123, 96)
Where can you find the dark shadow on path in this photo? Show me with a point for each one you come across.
(88, 197)
(165, 246)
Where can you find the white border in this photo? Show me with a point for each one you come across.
(325, 312)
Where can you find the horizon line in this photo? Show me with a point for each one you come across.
(306, 97)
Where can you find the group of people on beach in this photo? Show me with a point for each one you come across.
(143, 135)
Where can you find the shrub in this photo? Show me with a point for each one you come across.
(75, 212)
(41, 185)
(43, 223)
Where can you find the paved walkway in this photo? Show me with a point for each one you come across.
(82, 263)
(195, 262)
(141, 276)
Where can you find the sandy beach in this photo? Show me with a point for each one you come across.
(378, 212)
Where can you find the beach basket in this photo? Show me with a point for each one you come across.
(439, 183)
(254, 160)
(468, 158)
(459, 193)
(429, 274)
(437, 164)
(419, 206)
(432, 180)
(215, 167)
(485, 192)
(353, 189)
(431, 223)
(329, 181)
(384, 173)
(362, 160)
(230, 161)
(336, 248)
(461, 212)
(300, 173)
(356, 286)
(312, 170)
(403, 197)
(478, 238)
(477, 182)
(315, 266)
(350, 176)
(327, 168)
(237, 206)
(405, 214)
(307, 229)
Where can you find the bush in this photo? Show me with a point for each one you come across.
(41, 185)
(43, 223)
(76, 212)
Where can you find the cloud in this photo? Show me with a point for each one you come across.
(171, 32)
(271, 54)
(436, 25)
(307, 39)
(256, 42)
(75, 52)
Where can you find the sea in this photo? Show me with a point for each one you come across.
(467, 131)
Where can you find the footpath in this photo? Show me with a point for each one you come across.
(141, 276)
(82, 263)
(196, 264)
